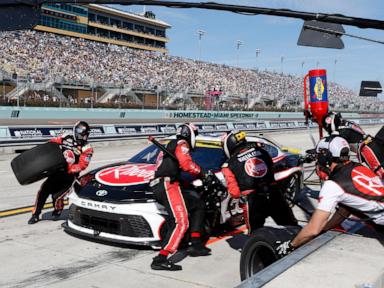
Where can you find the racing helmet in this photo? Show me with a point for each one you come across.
(331, 149)
(331, 122)
(188, 132)
(81, 132)
(232, 140)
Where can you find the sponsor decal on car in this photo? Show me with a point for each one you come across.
(256, 167)
(126, 175)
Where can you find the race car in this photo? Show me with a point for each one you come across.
(115, 203)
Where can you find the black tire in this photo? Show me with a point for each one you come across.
(259, 250)
(293, 187)
(38, 163)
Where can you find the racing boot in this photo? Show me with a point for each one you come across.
(56, 215)
(161, 262)
(34, 219)
(198, 249)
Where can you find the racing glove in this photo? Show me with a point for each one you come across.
(284, 248)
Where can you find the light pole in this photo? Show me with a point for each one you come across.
(238, 44)
(317, 64)
(282, 63)
(201, 34)
(258, 51)
(334, 71)
(302, 67)
(4, 89)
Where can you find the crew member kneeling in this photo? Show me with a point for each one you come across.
(167, 191)
(249, 172)
(354, 188)
(78, 154)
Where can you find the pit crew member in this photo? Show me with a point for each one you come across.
(78, 154)
(167, 190)
(350, 188)
(249, 174)
(369, 149)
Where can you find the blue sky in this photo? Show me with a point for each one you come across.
(276, 37)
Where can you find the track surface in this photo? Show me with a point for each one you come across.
(42, 255)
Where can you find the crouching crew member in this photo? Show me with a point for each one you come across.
(78, 154)
(350, 188)
(167, 191)
(249, 172)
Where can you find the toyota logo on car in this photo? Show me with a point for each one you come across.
(101, 193)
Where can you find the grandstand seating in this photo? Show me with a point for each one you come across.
(40, 57)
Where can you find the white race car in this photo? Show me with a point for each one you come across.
(114, 202)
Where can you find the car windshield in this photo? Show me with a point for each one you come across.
(208, 157)
(272, 150)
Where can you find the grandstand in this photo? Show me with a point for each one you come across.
(105, 24)
(49, 69)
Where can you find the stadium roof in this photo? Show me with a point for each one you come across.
(122, 13)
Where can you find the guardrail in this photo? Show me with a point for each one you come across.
(27, 134)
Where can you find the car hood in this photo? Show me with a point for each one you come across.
(121, 182)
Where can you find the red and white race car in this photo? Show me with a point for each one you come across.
(114, 202)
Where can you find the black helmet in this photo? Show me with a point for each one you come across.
(331, 122)
(188, 132)
(81, 132)
(233, 140)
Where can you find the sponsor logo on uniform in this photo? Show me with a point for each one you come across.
(251, 153)
(69, 156)
(126, 175)
(255, 167)
(367, 182)
(101, 193)
(184, 149)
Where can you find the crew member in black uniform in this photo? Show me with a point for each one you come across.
(167, 191)
(78, 154)
(249, 174)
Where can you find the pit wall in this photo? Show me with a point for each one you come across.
(85, 113)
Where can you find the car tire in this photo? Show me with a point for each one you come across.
(260, 249)
(293, 189)
(37, 163)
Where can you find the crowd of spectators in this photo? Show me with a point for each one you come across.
(49, 57)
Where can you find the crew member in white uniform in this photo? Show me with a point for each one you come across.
(350, 188)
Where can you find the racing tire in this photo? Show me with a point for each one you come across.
(260, 249)
(294, 188)
(37, 163)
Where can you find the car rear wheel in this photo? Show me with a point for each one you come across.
(259, 250)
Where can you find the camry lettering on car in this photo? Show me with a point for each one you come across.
(126, 175)
(106, 207)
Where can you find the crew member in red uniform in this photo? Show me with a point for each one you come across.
(350, 188)
(78, 154)
(249, 172)
(167, 191)
(369, 149)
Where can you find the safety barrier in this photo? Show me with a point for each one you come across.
(14, 112)
(18, 135)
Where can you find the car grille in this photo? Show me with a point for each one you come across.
(120, 224)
